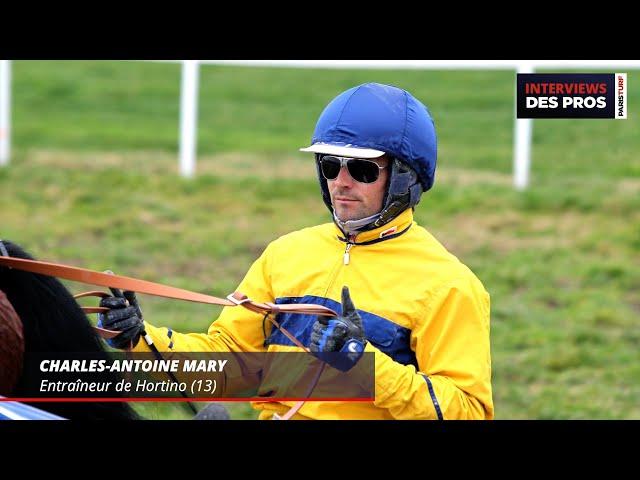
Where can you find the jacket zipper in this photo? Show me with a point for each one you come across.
(345, 257)
(350, 244)
(345, 261)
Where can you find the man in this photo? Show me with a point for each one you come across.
(400, 294)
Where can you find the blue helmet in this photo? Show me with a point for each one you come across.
(371, 120)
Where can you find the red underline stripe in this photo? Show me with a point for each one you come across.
(182, 399)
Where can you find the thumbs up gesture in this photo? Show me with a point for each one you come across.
(339, 341)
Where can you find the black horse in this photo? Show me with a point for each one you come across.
(52, 321)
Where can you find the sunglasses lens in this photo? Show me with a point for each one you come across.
(363, 171)
(330, 167)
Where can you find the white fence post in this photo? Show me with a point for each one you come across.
(5, 108)
(188, 117)
(522, 141)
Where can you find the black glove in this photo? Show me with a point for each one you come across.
(124, 315)
(339, 341)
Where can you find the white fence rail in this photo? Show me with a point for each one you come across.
(189, 96)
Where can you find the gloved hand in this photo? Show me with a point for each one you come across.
(344, 334)
(125, 315)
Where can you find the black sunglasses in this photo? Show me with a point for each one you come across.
(361, 170)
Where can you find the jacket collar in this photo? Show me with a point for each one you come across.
(399, 224)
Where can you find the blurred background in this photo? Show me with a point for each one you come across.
(94, 182)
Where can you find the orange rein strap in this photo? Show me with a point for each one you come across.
(142, 286)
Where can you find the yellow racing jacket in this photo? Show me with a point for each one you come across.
(425, 314)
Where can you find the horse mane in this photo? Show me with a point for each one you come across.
(53, 321)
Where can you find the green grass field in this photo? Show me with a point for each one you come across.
(93, 182)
